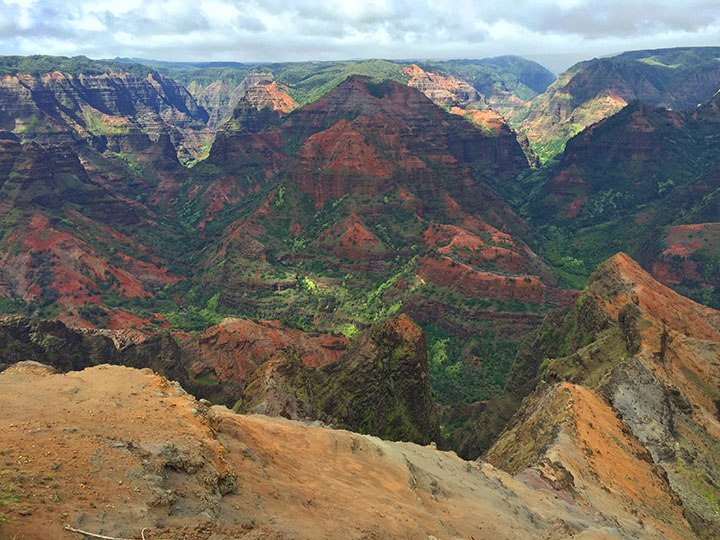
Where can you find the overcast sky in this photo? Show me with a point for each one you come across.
(557, 32)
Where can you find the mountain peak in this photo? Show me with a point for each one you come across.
(620, 281)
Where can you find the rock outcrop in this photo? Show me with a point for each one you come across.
(649, 360)
(443, 90)
(130, 454)
(71, 349)
(55, 108)
(379, 386)
(257, 92)
(233, 349)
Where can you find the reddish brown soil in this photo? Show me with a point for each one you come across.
(674, 265)
(690, 358)
(657, 302)
(233, 349)
(487, 119)
(340, 154)
(591, 457)
(280, 101)
(124, 453)
(488, 247)
(350, 239)
(52, 259)
(445, 272)
(443, 90)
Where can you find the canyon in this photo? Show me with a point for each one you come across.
(478, 297)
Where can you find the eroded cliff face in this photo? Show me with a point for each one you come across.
(233, 349)
(443, 90)
(258, 91)
(369, 202)
(67, 349)
(568, 437)
(57, 108)
(650, 359)
(71, 234)
(378, 386)
(678, 79)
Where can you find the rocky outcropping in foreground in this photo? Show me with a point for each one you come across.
(125, 453)
(379, 386)
(628, 402)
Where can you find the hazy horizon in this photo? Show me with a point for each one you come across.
(556, 33)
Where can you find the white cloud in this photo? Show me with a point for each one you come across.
(247, 30)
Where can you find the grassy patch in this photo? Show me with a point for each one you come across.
(8, 493)
(95, 125)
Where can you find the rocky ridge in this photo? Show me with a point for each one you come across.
(131, 454)
(590, 91)
(445, 91)
(378, 386)
(101, 108)
(643, 359)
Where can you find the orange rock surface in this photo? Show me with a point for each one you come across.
(125, 453)
(233, 349)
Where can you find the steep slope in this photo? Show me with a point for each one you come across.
(642, 181)
(568, 436)
(233, 349)
(506, 82)
(261, 105)
(260, 88)
(379, 386)
(160, 464)
(653, 356)
(71, 240)
(368, 202)
(445, 91)
(215, 364)
(71, 349)
(678, 79)
(98, 103)
(458, 97)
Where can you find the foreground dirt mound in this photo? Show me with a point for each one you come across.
(123, 452)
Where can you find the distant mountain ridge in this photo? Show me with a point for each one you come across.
(503, 82)
(589, 91)
(644, 180)
(66, 100)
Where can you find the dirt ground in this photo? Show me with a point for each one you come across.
(124, 453)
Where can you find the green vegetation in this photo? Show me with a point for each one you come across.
(513, 74)
(307, 81)
(8, 493)
(467, 370)
(29, 125)
(588, 92)
(653, 61)
(77, 65)
(95, 125)
(193, 319)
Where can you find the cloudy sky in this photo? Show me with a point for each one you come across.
(556, 32)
